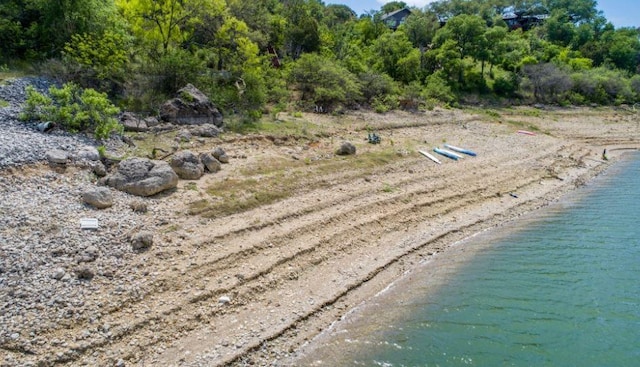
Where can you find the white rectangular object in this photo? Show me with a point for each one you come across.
(429, 156)
(88, 223)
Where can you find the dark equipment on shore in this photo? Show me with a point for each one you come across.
(374, 138)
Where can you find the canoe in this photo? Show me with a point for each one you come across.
(430, 156)
(460, 150)
(446, 153)
(452, 153)
(525, 132)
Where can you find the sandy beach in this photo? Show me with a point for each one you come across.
(259, 286)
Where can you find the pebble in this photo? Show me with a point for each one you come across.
(22, 142)
(43, 250)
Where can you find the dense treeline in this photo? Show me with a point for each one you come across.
(247, 55)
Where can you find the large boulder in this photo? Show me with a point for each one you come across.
(190, 107)
(132, 122)
(187, 165)
(210, 162)
(220, 155)
(99, 197)
(142, 177)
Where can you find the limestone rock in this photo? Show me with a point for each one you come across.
(142, 177)
(58, 273)
(88, 154)
(220, 155)
(57, 156)
(206, 131)
(99, 197)
(346, 149)
(184, 136)
(190, 107)
(187, 165)
(99, 169)
(133, 122)
(210, 162)
(141, 241)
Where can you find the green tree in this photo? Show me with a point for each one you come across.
(393, 54)
(161, 24)
(324, 82)
(392, 6)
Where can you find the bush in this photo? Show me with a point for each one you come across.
(324, 82)
(506, 86)
(603, 86)
(74, 108)
(377, 85)
(437, 88)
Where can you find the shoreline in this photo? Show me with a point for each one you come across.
(325, 348)
(291, 268)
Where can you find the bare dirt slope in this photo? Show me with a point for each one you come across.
(346, 228)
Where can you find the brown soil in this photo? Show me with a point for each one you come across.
(347, 227)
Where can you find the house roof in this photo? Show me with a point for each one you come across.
(393, 13)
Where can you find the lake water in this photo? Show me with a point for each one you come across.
(559, 288)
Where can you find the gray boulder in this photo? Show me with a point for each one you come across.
(142, 177)
(88, 154)
(184, 136)
(133, 122)
(210, 162)
(57, 156)
(187, 165)
(206, 131)
(190, 107)
(346, 148)
(99, 197)
(220, 155)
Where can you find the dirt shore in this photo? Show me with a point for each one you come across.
(257, 286)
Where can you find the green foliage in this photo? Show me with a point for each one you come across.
(242, 54)
(506, 85)
(175, 69)
(324, 82)
(437, 88)
(74, 108)
(377, 86)
(106, 55)
(603, 86)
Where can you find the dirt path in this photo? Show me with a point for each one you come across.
(291, 268)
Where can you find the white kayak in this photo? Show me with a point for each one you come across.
(430, 156)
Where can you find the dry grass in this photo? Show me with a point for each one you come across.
(283, 179)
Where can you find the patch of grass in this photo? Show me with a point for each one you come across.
(300, 129)
(492, 113)
(523, 125)
(171, 228)
(191, 186)
(282, 179)
(387, 188)
(3, 103)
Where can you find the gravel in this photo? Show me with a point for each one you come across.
(21, 142)
(52, 272)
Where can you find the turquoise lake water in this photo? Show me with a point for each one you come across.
(560, 288)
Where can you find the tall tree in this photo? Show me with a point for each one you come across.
(161, 24)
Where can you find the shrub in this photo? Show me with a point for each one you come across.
(437, 88)
(324, 82)
(506, 86)
(377, 85)
(74, 108)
